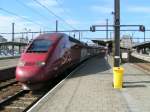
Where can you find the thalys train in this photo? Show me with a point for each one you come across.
(49, 55)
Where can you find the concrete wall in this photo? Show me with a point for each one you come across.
(7, 73)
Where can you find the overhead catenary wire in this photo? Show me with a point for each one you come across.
(52, 13)
(27, 19)
(86, 30)
(60, 5)
(33, 10)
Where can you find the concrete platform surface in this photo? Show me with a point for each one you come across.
(8, 63)
(141, 56)
(90, 90)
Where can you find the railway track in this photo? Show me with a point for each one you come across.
(14, 99)
(140, 63)
(20, 101)
(145, 66)
(9, 90)
(6, 83)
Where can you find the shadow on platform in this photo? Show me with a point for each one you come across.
(127, 74)
(136, 84)
(93, 66)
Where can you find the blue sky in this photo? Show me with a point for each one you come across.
(78, 13)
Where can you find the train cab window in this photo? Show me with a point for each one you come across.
(40, 45)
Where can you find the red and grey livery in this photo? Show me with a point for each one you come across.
(47, 56)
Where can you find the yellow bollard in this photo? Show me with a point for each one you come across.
(118, 77)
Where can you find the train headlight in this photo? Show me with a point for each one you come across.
(21, 63)
(41, 63)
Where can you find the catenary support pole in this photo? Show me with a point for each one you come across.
(56, 25)
(117, 33)
(13, 37)
(107, 29)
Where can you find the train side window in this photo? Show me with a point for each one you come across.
(67, 42)
(64, 46)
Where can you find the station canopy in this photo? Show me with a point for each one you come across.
(107, 42)
(12, 43)
(142, 45)
(103, 42)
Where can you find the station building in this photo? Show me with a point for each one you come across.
(2, 39)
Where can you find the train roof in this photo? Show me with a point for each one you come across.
(60, 35)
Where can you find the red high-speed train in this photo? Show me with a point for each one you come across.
(47, 56)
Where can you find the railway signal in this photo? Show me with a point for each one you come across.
(142, 28)
(92, 28)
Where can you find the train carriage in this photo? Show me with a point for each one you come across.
(47, 56)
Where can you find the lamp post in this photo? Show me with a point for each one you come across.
(27, 31)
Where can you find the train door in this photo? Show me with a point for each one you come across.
(83, 54)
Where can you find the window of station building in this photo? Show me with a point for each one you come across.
(39, 45)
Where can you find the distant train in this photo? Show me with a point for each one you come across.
(47, 56)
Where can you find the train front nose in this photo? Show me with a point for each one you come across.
(30, 73)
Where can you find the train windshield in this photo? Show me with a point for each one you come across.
(40, 45)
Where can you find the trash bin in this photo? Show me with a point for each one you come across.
(118, 77)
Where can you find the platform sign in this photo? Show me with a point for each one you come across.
(124, 55)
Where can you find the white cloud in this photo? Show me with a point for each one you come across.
(138, 9)
(47, 3)
(6, 21)
(72, 22)
(102, 9)
(20, 25)
(50, 4)
(102, 22)
(55, 7)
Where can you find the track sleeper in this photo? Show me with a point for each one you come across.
(15, 107)
(25, 102)
(23, 98)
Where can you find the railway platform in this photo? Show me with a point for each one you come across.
(8, 63)
(90, 89)
(141, 56)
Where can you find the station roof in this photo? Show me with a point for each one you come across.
(142, 45)
(109, 42)
(13, 43)
(103, 42)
